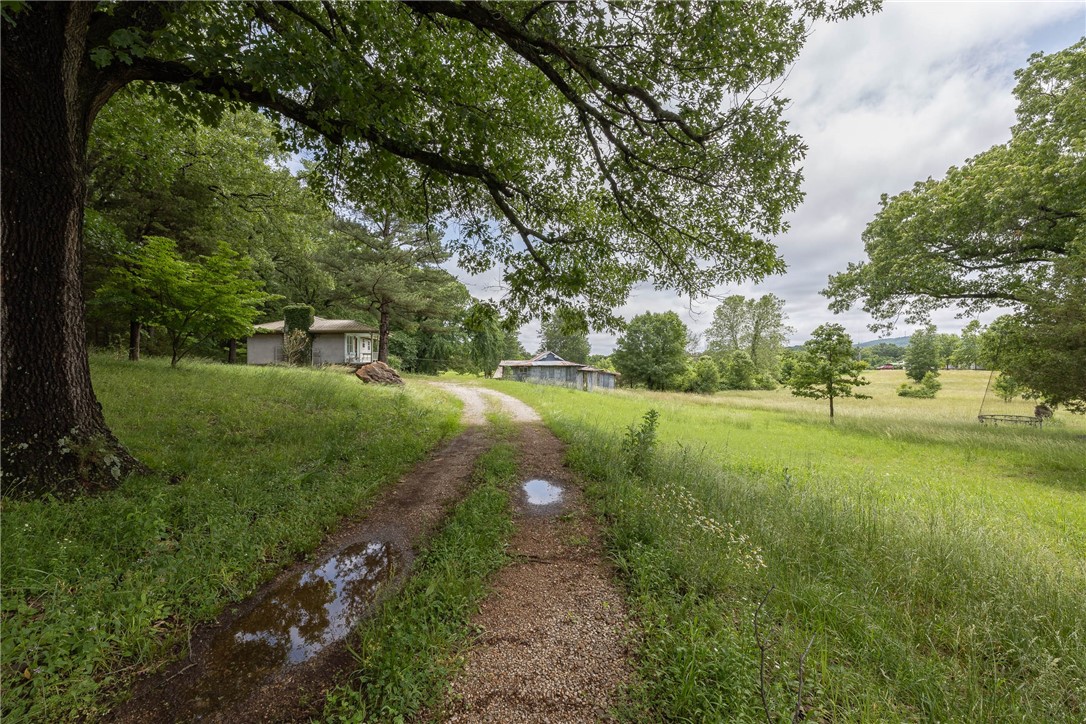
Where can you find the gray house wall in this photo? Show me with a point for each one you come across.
(264, 349)
(328, 349)
(561, 376)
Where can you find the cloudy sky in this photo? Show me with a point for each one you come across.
(881, 102)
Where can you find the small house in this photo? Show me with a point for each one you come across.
(335, 342)
(547, 368)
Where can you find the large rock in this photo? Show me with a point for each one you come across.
(378, 373)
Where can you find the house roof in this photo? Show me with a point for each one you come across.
(597, 369)
(320, 326)
(540, 361)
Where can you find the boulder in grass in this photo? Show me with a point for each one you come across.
(378, 373)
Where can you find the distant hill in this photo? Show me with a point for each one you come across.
(899, 341)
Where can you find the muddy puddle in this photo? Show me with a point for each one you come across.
(308, 612)
(540, 492)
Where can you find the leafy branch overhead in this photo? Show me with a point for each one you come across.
(1002, 230)
(615, 143)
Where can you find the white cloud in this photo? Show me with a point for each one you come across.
(882, 102)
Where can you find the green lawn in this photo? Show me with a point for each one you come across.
(939, 565)
(253, 466)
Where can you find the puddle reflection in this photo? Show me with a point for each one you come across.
(540, 492)
(307, 613)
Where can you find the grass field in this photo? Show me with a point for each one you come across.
(938, 566)
(253, 466)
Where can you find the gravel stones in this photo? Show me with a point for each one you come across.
(553, 631)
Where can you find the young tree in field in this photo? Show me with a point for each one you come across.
(652, 351)
(211, 298)
(922, 355)
(1006, 387)
(1005, 230)
(613, 154)
(826, 369)
(559, 336)
(757, 326)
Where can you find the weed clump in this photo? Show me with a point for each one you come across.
(639, 445)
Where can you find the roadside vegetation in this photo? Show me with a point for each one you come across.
(934, 566)
(252, 466)
(408, 651)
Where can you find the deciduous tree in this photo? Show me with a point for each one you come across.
(922, 355)
(756, 326)
(614, 154)
(652, 351)
(826, 370)
(1004, 230)
(967, 353)
(561, 336)
(211, 298)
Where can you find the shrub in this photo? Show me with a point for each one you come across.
(296, 349)
(297, 317)
(926, 389)
(702, 377)
(737, 371)
(765, 381)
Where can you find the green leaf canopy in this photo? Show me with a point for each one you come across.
(616, 143)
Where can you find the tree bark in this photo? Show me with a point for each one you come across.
(383, 326)
(53, 436)
(232, 352)
(134, 328)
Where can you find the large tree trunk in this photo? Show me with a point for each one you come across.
(232, 351)
(53, 437)
(383, 327)
(134, 328)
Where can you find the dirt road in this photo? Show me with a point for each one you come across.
(554, 624)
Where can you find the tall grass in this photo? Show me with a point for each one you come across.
(252, 467)
(937, 567)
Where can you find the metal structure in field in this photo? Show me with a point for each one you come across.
(547, 368)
